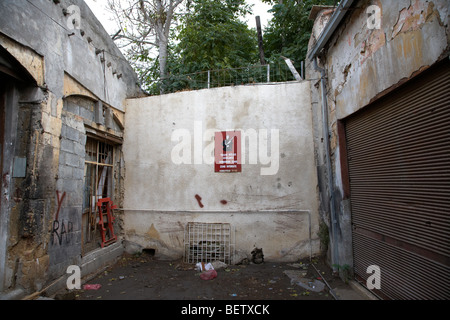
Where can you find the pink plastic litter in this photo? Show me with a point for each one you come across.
(92, 286)
(209, 275)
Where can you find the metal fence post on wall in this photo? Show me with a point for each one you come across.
(292, 68)
(209, 79)
(302, 71)
(228, 77)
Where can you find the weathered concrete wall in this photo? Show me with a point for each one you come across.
(68, 69)
(268, 209)
(363, 64)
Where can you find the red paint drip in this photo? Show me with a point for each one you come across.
(199, 200)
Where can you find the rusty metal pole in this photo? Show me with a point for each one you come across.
(260, 41)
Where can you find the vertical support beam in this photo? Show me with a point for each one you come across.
(108, 118)
(98, 112)
(326, 136)
(302, 70)
(209, 79)
(345, 176)
(260, 41)
(9, 97)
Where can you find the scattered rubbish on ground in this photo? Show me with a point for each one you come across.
(208, 275)
(92, 286)
(240, 258)
(219, 265)
(160, 279)
(215, 265)
(201, 266)
(314, 285)
(257, 256)
(301, 265)
(208, 271)
(298, 277)
(231, 270)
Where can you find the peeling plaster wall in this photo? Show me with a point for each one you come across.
(363, 64)
(268, 211)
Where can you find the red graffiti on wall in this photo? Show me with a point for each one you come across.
(60, 201)
(60, 229)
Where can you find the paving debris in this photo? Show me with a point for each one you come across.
(298, 277)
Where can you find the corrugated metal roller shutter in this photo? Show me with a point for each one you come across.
(399, 168)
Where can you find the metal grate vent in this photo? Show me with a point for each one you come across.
(208, 242)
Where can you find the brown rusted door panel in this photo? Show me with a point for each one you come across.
(399, 172)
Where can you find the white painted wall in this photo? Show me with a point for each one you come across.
(269, 211)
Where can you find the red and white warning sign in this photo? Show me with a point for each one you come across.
(227, 151)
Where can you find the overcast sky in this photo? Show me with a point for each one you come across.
(98, 7)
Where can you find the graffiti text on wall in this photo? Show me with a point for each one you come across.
(61, 230)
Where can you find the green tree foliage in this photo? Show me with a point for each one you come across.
(289, 31)
(211, 35)
(214, 37)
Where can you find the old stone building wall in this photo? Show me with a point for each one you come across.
(378, 46)
(63, 107)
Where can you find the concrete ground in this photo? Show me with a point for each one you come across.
(353, 291)
(141, 277)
